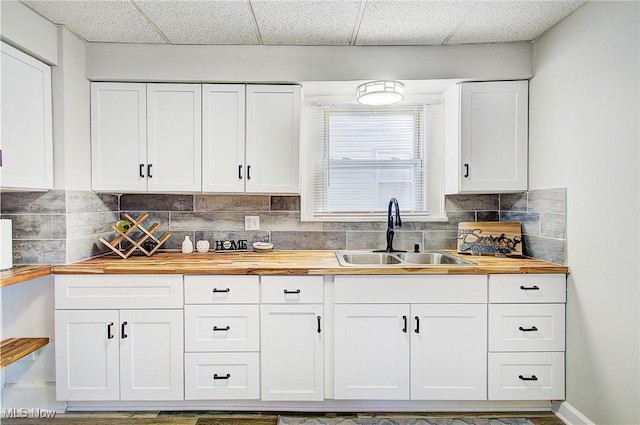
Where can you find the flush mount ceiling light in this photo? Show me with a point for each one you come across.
(376, 93)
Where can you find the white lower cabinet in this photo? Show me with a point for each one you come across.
(402, 351)
(526, 337)
(119, 354)
(222, 337)
(104, 352)
(292, 338)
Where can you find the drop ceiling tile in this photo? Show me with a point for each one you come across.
(114, 21)
(418, 22)
(306, 22)
(202, 22)
(498, 21)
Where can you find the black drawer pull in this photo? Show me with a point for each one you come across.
(149, 170)
(227, 376)
(216, 290)
(124, 335)
(404, 329)
(529, 288)
(109, 333)
(531, 329)
(319, 330)
(417, 325)
(286, 291)
(532, 378)
(248, 172)
(142, 170)
(466, 171)
(226, 328)
(239, 172)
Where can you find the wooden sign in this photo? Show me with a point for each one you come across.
(490, 238)
(238, 245)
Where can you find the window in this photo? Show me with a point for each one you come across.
(358, 157)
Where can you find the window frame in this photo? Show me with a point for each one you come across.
(434, 177)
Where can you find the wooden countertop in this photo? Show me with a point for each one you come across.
(288, 262)
(19, 274)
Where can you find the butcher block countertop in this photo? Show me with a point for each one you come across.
(19, 274)
(288, 263)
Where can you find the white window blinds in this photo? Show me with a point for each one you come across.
(364, 156)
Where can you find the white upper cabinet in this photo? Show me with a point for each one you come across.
(273, 139)
(146, 137)
(26, 144)
(119, 136)
(174, 139)
(251, 138)
(486, 137)
(223, 168)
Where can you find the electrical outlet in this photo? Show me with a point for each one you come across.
(251, 222)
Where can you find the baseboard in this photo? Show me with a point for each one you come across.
(569, 414)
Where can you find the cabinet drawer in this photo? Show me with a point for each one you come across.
(526, 376)
(221, 290)
(527, 288)
(292, 289)
(221, 376)
(222, 327)
(526, 327)
(436, 289)
(118, 291)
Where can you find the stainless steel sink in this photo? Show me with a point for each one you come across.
(388, 259)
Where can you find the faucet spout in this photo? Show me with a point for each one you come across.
(393, 219)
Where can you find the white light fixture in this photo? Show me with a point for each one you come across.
(377, 93)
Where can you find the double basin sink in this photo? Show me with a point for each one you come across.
(391, 259)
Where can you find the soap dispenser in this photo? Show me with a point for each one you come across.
(187, 245)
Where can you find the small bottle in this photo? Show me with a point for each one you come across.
(187, 245)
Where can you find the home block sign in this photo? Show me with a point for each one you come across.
(230, 245)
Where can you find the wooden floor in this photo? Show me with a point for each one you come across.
(212, 418)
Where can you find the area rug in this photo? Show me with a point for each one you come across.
(284, 420)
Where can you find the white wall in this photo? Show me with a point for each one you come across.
(25, 29)
(71, 115)
(584, 135)
(127, 62)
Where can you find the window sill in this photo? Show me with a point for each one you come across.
(408, 218)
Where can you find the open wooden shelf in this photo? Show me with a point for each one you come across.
(13, 349)
(136, 224)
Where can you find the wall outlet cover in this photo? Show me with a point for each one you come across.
(251, 222)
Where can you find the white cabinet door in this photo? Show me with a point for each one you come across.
(371, 359)
(26, 150)
(273, 139)
(292, 352)
(486, 137)
(223, 128)
(151, 355)
(118, 137)
(87, 353)
(449, 352)
(174, 137)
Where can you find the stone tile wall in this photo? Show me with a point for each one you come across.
(58, 227)
(64, 226)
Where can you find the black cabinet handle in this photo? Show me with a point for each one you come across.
(248, 172)
(226, 328)
(216, 290)
(286, 291)
(216, 376)
(319, 330)
(532, 378)
(417, 325)
(404, 329)
(530, 288)
(466, 170)
(109, 332)
(531, 329)
(239, 172)
(149, 170)
(124, 335)
(142, 170)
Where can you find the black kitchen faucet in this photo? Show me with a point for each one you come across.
(393, 208)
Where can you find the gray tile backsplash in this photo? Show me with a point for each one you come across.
(63, 226)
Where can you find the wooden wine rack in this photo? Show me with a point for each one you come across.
(136, 223)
